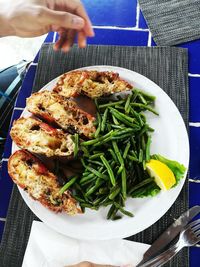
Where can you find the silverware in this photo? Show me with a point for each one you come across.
(190, 236)
(170, 233)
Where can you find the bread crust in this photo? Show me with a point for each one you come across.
(91, 83)
(30, 174)
(39, 138)
(62, 112)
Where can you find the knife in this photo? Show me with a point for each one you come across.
(170, 233)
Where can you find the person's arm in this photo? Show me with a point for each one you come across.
(29, 18)
(5, 28)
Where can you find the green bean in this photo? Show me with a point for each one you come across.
(103, 190)
(146, 95)
(67, 185)
(144, 107)
(87, 177)
(99, 125)
(141, 184)
(124, 131)
(105, 115)
(87, 205)
(115, 120)
(105, 140)
(89, 181)
(111, 104)
(109, 169)
(128, 213)
(111, 211)
(94, 141)
(128, 145)
(97, 173)
(123, 175)
(95, 162)
(148, 149)
(121, 115)
(120, 137)
(91, 190)
(117, 127)
(142, 99)
(76, 146)
(117, 152)
(79, 199)
(120, 169)
(113, 194)
(127, 105)
(141, 155)
(96, 155)
(132, 158)
(113, 154)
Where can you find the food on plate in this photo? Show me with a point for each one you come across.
(58, 110)
(42, 185)
(91, 83)
(162, 174)
(116, 162)
(40, 138)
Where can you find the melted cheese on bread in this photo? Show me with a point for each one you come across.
(63, 112)
(31, 175)
(38, 137)
(91, 83)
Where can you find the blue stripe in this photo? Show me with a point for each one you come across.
(5, 95)
(9, 90)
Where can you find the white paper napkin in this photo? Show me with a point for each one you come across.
(47, 248)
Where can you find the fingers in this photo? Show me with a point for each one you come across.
(82, 39)
(62, 19)
(69, 41)
(77, 8)
(66, 39)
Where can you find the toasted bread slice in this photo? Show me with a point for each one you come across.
(30, 174)
(60, 111)
(91, 83)
(40, 138)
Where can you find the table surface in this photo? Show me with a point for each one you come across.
(125, 25)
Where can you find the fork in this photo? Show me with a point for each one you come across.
(190, 236)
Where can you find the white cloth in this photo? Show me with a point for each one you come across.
(47, 248)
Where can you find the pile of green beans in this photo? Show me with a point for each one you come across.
(114, 161)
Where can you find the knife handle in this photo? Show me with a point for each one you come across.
(164, 257)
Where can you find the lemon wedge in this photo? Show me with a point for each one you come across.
(162, 174)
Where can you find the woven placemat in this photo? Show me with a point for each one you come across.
(172, 21)
(165, 66)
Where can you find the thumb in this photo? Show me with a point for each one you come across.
(63, 19)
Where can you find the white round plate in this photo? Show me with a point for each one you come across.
(170, 139)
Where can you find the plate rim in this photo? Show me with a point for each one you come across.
(145, 225)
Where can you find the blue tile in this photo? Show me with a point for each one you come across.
(120, 13)
(194, 199)
(194, 257)
(36, 58)
(26, 88)
(153, 43)
(142, 22)
(2, 224)
(49, 37)
(195, 152)
(194, 55)
(6, 185)
(194, 86)
(119, 37)
(8, 144)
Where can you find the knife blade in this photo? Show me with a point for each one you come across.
(170, 233)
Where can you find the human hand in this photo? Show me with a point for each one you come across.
(29, 18)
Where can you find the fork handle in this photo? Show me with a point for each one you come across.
(163, 257)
